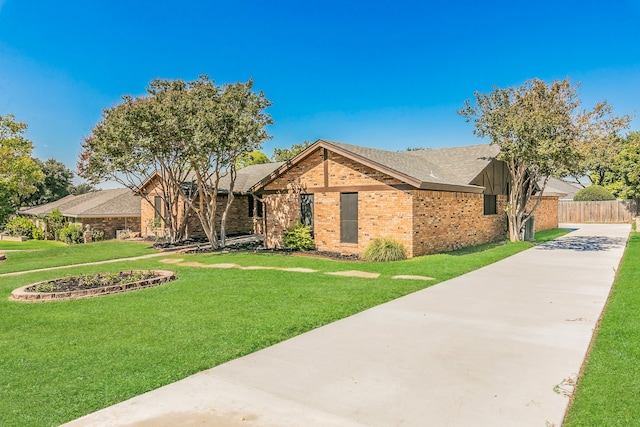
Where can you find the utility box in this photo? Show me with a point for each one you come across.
(530, 230)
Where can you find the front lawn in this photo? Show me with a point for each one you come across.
(61, 360)
(29, 245)
(608, 391)
(35, 254)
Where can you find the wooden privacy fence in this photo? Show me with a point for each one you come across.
(613, 211)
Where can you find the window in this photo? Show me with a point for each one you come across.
(157, 202)
(349, 217)
(306, 210)
(255, 207)
(490, 204)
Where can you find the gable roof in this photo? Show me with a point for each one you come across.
(565, 190)
(119, 202)
(450, 169)
(248, 177)
(245, 178)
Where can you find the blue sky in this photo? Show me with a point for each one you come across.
(386, 74)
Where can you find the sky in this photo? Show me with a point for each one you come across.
(382, 74)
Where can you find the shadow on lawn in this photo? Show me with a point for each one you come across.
(583, 243)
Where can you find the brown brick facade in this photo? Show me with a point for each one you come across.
(110, 226)
(546, 214)
(424, 221)
(445, 221)
(238, 219)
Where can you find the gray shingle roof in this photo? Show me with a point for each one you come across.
(566, 190)
(248, 177)
(451, 166)
(119, 202)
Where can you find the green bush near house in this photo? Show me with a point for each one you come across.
(299, 238)
(71, 234)
(384, 249)
(593, 193)
(21, 226)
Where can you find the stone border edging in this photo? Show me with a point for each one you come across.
(21, 295)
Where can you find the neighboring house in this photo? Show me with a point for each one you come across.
(106, 210)
(245, 216)
(430, 200)
(567, 189)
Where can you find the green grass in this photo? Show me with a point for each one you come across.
(54, 254)
(29, 245)
(61, 360)
(554, 233)
(608, 390)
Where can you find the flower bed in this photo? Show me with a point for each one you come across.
(91, 285)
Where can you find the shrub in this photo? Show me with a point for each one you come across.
(21, 226)
(97, 235)
(381, 250)
(593, 193)
(55, 222)
(71, 233)
(299, 238)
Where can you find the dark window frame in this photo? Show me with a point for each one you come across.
(158, 208)
(349, 218)
(490, 204)
(307, 210)
(255, 207)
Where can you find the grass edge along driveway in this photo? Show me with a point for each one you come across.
(65, 359)
(609, 386)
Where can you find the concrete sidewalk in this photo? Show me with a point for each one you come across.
(496, 347)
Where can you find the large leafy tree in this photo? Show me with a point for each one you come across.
(541, 133)
(19, 172)
(143, 139)
(623, 180)
(187, 136)
(603, 143)
(57, 183)
(230, 121)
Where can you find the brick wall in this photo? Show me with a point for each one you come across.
(343, 171)
(238, 220)
(308, 173)
(443, 221)
(424, 221)
(110, 225)
(546, 214)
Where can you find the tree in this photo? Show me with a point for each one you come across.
(19, 172)
(145, 138)
(57, 183)
(230, 121)
(624, 178)
(187, 136)
(286, 154)
(82, 188)
(540, 133)
(255, 157)
(599, 152)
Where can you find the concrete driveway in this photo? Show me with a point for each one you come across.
(499, 346)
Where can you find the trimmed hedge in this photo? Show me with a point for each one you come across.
(593, 193)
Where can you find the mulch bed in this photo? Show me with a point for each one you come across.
(85, 286)
(90, 281)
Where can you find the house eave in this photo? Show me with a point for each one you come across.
(80, 216)
(338, 150)
(455, 188)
